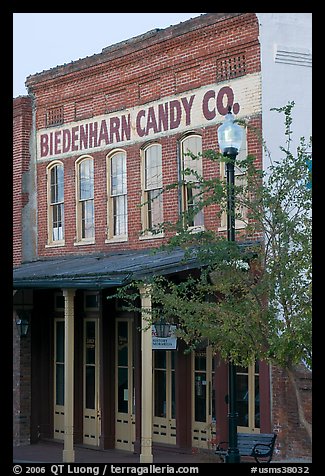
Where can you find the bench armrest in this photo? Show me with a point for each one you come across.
(262, 450)
(266, 452)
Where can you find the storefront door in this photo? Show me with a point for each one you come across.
(58, 422)
(203, 401)
(91, 410)
(124, 378)
(248, 399)
(164, 423)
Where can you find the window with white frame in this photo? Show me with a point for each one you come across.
(117, 196)
(55, 174)
(241, 183)
(191, 144)
(152, 210)
(85, 200)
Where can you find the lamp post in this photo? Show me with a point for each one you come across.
(230, 139)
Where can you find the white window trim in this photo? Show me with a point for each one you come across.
(145, 233)
(50, 242)
(79, 241)
(184, 205)
(109, 205)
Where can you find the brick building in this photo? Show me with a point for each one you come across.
(93, 140)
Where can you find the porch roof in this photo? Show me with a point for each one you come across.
(99, 270)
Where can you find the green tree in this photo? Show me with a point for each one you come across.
(251, 299)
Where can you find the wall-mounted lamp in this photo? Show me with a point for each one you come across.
(22, 322)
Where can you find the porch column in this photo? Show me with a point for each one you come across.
(146, 386)
(68, 451)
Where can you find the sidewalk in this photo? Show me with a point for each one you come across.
(51, 452)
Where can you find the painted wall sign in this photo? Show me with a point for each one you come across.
(197, 108)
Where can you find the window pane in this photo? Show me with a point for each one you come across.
(160, 359)
(57, 222)
(192, 144)
(200, 360)
(60, 341)
(90, 386)
(154, 208)
(90, 342)
(120, 215)
(118, 174)
(198, 219)
(153, 167)
(242, 400)
(257, 402)
(200, 396)
(173, 395)
(59, 366)
(122, 354)
(123, 390)
(59, 391)
(56, 184)
(160, 393)
(87, 219)
(86, 179)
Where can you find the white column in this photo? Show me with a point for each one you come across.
(146, 379)
(68, 451)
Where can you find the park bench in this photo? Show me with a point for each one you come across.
(259, 446)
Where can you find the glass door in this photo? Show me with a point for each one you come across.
(248, 399)
(203, 401)
(164, 423)
(58, 379)
(91, 410)
(124, 397)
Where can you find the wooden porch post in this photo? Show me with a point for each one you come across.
(146, 378)
(68, 451)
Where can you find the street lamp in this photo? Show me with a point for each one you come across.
(230, 138)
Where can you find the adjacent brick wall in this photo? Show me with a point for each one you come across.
(21, 387)
(22, 123)
(292, 441)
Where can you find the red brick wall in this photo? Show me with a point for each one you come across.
(155, 66)
(292, 440)
(21, 387)
(22, 123)
(152, 66)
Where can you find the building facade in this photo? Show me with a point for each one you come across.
(92, 141)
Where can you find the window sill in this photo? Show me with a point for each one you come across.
(117, 239)
(82, 243)
(151, 236)
(55, 244)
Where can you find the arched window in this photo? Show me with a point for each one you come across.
(190, 184)
(55, 203)
(152, 210)
(117, 196)
(85, 200)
